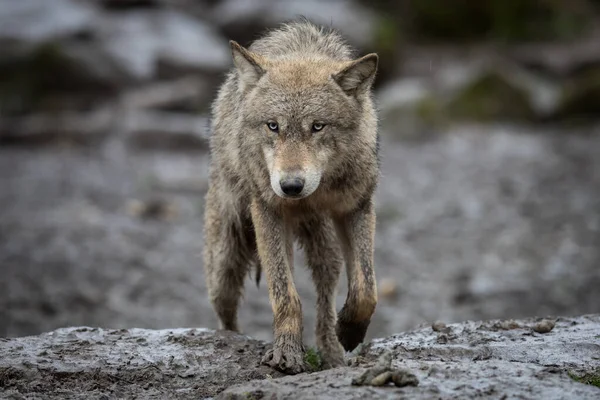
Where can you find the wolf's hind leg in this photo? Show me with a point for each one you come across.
(227, 258)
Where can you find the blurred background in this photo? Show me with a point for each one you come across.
(489, 202)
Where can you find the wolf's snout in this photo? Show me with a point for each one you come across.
(296, 184)
(292, 186)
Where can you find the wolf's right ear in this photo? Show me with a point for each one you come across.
(247, 63)
(358, 75)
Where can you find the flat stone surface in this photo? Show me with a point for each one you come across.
(92, 363)
(493, 359)
(475, 359)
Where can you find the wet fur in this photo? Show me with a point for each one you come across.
(296, 74)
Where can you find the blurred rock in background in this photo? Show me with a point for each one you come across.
(525, 60)
(489, 200)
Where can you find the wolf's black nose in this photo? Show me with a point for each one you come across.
(292, 186)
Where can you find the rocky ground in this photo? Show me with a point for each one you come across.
(103, 168)
(488, 207)
(492, 359)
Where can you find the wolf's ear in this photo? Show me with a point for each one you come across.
(247, 64)
(358, 75)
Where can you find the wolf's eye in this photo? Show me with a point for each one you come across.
(317, 127)
(273, 126)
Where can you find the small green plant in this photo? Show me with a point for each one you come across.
(312, 358)
(588, 379)
(252, 395)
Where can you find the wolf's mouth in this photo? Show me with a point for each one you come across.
(295, 197)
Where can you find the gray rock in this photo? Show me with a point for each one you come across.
(560, 58)
(492, 88)
(355, 22)
(43, 58)
(116, 47)
(544, 326)
(140, 40)
(43, 20)
(480, 362)
(82, 363)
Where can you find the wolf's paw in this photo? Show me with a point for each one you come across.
(351, 333)
(286, 357)
(331, 360)
(332, 354)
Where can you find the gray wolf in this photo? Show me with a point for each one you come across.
(294, 157)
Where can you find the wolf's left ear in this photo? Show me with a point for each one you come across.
(358, 75)
(247, 64)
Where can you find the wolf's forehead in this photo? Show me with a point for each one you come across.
(302, 73)
(296, 105)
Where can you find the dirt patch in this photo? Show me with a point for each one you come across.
(92, 363)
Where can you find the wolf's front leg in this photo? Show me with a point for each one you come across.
(356, 231)
(274, 242)
(317, 237)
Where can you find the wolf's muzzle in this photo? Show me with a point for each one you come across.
(292, 186)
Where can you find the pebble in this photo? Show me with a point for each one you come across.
(544, 326)
(438, 326)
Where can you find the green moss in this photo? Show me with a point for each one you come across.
(501, 20)
(387, 42)
(387, 33)
(525, 19)
(581, 96)
(312, 358)
(491, 97)
(251, 396)
(39, 79)
(455, 19)
(588, 379)
(430, 111)
(427, 109)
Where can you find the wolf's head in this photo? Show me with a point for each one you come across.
(303, 112)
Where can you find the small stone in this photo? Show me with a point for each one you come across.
(382, 373)
(384, 360)
(256, 394)
(383, 365)
(382, 379)
(438, 326)
(544, 326)
(506, 325)
(404, 377)
(442, 339)
(356, 361)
